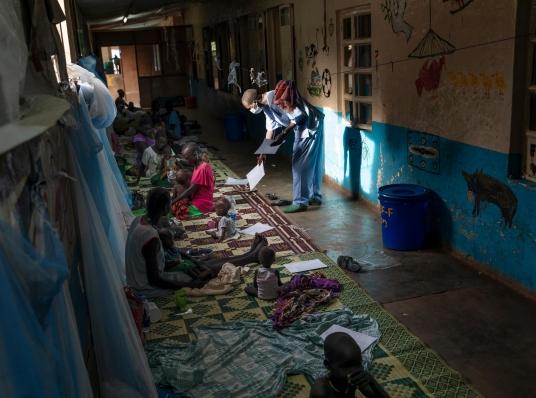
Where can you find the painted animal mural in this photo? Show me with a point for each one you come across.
(394, 11)
(485, 188)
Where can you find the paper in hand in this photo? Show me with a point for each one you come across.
(266, 148)
(364, 341)
(255, 176)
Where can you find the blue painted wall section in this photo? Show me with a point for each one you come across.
(485, 238)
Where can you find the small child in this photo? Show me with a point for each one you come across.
(226, 224)
(174, 260)
(182, 182)
(346, 373)
(266, 281)
(172, 253)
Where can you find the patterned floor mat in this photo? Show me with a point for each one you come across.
(403, 364)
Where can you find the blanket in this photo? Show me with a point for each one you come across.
(249, 358)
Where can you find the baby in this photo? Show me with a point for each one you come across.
(346, 373)
(226, 224)
(181, 183)
(174, 260)
(266, 281)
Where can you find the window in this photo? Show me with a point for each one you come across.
(148, 60)
(355, 51)
(530, 131)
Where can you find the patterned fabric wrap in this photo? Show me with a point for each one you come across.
(285, 90)
(180, 209)
(303, 295)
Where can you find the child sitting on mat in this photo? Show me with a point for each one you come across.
(226, 224)
(266, 281)
(174, 260)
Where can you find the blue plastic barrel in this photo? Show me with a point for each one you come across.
(404, 209)
(234, 127)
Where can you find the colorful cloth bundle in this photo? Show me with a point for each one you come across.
(303, 295)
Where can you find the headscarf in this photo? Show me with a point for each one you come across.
(285, 90)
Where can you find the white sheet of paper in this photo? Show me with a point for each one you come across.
(258, 228)
(255, 176)
(266, 148)
(363, 340)
(301, 266)
(236, 181)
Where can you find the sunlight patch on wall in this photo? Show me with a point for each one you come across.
(333, 146)
(368, 168)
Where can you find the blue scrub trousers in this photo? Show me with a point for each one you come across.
(307, 166)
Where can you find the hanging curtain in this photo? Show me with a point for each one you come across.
(40, 353)
(103, 216)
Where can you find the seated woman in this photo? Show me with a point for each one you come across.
(200, 193)
(143, 139)
(145, 258)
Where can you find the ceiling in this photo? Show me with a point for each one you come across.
(108, 10)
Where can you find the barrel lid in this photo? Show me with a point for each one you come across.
(403, 191)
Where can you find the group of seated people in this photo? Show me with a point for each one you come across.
(184, 187)
(155, 267)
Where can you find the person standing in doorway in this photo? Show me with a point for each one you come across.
(117, 64)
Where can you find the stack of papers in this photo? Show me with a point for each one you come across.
(364, 341)
(302, 266)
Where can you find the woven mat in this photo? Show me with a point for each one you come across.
(404, 366)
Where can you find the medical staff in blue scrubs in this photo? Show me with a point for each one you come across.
(285, 108)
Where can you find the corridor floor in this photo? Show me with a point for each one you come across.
(479, 327)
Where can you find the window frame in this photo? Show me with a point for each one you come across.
(529, 137)
(354, 70)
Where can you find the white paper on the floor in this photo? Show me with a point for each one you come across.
(255, 176)
(258, 228)
(302, 266)
(266, 148)
(236, 181)
(363, 340)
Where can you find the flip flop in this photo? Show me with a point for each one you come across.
(347, 262)
(272, 196)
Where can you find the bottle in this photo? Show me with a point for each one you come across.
(232, 211)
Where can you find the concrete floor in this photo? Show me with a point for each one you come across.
(478, 326)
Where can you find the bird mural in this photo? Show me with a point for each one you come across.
(395, 11)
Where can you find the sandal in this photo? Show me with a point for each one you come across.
(347, 262)
(272, 196)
